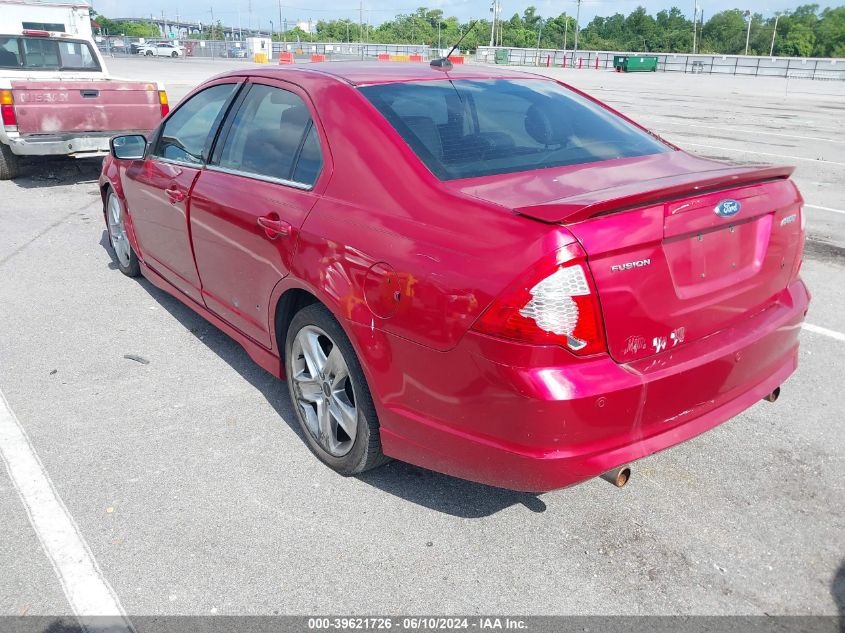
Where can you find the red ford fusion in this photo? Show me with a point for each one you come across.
(479, 271)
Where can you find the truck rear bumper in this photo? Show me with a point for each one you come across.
(77, 145)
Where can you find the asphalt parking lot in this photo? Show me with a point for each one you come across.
(184, 474)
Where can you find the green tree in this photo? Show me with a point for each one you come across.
(830, 33)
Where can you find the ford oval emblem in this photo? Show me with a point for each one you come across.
(727, 208)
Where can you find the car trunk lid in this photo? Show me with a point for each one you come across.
(669, 269)
(59, 106)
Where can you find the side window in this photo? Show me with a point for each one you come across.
(310, 159)
(9, 53)
(187, 132)
(271, 129)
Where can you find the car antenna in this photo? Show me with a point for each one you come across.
(443, 63)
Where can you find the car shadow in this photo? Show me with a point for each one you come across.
(837, 590)
(38, 172)
(438, 492)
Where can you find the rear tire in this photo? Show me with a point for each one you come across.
(329, 393)
(8, 163)
(174, 54)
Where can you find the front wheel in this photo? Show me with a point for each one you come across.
(149, 53)
(8, 163)
(127, 261)
(330, 394)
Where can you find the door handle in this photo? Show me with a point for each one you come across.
(175, 195)
(273, 226)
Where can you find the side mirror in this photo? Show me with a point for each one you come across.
(129, 147)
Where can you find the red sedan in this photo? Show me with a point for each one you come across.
(483, 272)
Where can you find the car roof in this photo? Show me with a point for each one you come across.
(363, 73)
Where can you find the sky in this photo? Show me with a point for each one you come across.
(258, 13)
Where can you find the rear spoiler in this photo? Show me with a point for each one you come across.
(637, 194)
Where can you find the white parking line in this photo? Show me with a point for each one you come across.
(816, 329)
(87, 591)
(708, 127)
(748, 151)
(813, 206)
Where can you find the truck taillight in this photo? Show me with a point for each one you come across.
(7, 109)
(162, 99)
(555, 303)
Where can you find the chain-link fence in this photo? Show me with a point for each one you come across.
(789, 67)
(116, 46)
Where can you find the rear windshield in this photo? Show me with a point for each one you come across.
(46, 53)
(466, 128)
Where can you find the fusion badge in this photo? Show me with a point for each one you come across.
(630, 265)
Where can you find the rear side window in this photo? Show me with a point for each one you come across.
(272, 135)
(10, 55)
(187, 133)
(466, 128)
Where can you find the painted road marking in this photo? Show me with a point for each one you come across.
(813, 206)
(748, 151)
(816, 329)
(744, 130)
(87, 591)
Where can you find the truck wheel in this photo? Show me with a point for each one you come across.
(329, 393)
(8, 163)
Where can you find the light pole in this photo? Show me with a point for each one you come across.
(774, 33)
(539, 33)
(577, 32)
(565, 29)
(493, 22)
(271, 34)
(694, 26)
(748, 33)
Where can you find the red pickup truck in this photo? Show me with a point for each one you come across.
(56, 98)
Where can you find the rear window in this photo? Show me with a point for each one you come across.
(466, 128)
(34, 53)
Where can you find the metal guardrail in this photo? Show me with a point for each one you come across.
(823, 69)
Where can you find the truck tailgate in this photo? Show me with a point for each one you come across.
(102, 105)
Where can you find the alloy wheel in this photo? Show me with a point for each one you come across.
(323, 390)
(117, 231)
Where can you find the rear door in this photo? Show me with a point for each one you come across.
(249, 204)
(158, 189)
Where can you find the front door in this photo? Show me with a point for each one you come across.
(158, 189)
(249, 204)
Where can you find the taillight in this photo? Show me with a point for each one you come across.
(7, 109)
(555, 303)
(162, 99)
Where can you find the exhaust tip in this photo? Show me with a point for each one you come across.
(618, 476)
(772, 397)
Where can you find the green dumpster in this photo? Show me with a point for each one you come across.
(644, 64)
(502, 55)
(618, 62)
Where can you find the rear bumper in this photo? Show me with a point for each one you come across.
(519, 418)
(78, 145)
